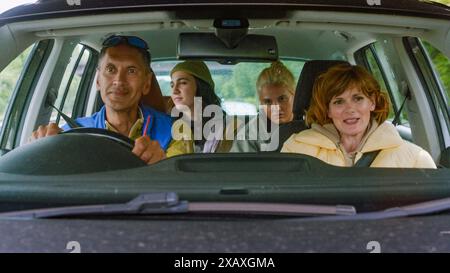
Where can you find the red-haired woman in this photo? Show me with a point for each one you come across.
(347, 118)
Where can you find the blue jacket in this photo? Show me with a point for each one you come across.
(159, 129)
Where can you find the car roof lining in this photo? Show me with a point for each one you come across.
(168, 20)
(91, 29)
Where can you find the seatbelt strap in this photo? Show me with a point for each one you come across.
(396, 119)
(70, 121)
(367, 159)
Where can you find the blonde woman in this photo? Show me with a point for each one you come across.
(276, 88)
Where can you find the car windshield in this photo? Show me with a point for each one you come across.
(381, 140)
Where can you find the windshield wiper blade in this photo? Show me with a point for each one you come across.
(428, 207)
(423, 208)
(149, 203)
(271, 208)
(169, 203)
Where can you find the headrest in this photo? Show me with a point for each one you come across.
(311, 70)
(154, 98)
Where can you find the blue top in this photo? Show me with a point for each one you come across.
(159, 129)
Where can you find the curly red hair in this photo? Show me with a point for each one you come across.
(335, 81)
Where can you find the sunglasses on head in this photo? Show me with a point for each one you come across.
(131, 40)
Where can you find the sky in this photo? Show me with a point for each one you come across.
(7, 4)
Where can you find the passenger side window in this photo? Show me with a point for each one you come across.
(435, 67)
(378, 65)
(376, 72)
(69, 95)
(441, 66)
(9, 79)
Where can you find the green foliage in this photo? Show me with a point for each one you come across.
(8, 79)
(239, 82)
(447, 2)
(441, 64)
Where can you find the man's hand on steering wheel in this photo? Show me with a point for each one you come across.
(148, 150)
(44, 131)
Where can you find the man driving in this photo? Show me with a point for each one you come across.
(124, 76)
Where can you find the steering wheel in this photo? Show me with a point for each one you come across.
(116, 137)
(75, 151)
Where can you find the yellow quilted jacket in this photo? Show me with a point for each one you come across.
(185, 144)
(395, 152)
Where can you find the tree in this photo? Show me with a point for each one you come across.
(8, 79)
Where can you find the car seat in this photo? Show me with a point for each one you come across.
(303, 93)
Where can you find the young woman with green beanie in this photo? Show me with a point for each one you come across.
(190, 80)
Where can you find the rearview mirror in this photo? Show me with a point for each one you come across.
(208, 47)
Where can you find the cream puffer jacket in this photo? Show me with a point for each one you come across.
(395, 152)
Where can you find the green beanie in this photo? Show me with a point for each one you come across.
(195, 68)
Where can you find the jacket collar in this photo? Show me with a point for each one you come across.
(317, 136)
(380, 137)
(384, 137)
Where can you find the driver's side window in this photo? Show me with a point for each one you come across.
(9, 79)
(73, 92)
